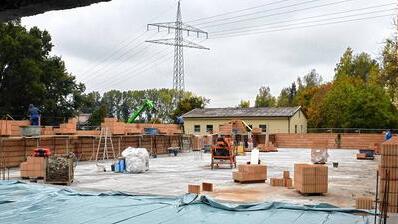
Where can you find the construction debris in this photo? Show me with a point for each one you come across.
(60, 170)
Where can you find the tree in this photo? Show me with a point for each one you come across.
(287, 96)
(244, 104)
(351, 103)
(361, 66)
(188, 103)
(389, 72)
(264, 98)
(28, 74)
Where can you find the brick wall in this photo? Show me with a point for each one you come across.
(348, 141)
(13, 151)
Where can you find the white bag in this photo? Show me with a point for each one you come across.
(137, 160)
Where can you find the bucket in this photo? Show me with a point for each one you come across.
(150, 131)
(335, 164)
(122, 165)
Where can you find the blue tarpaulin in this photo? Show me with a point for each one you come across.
(34, 203)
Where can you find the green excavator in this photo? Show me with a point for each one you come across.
(147, 105)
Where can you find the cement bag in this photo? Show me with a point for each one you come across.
(137, 160)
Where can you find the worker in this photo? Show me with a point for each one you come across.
(388, 135)
(34, 115)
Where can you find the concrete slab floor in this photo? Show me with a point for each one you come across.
(171, 175)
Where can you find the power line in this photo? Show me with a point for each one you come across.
(121, 45)
(248, 29)
(237, 11)
(239, 34)
(108, 67)
(269, 10)
(136, 69)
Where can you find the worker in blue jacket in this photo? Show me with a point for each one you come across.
(388, 135)
(34, 115)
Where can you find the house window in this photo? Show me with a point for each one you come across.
(209, 128)
(263, 127)
(196, 128)
(295, 128)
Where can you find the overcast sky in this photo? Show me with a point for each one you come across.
(103, 44)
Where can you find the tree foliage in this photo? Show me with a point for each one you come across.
(28, 74)
(264, 98)
(244, 104)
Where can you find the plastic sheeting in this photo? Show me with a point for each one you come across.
(137, 160)
(34, 203)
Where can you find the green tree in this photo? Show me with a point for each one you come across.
(244, 104)
(389, 73)
(361, 66)
(351, 103)
(188, 103)
(264, 98)
(28, 74)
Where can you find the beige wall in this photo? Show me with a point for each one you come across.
(300, 120)
(274, 125)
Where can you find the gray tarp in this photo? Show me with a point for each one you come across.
(33, 203)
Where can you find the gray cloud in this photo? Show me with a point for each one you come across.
(232, 70)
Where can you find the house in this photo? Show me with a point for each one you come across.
(269, 119)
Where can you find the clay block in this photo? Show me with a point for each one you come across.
(364, 203)
(252, 168)
(286, 175)
(207, 186)
(361, 156)
(389, 161)
(393, 173)
(288, 182)
(194, 189)
(277, 182)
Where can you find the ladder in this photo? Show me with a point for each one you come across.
(105, 149)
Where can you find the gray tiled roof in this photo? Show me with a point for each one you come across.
(242, 112)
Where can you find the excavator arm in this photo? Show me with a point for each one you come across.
(147, 105)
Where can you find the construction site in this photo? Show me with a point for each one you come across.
(173, 159)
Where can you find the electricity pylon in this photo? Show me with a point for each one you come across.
(179, 43)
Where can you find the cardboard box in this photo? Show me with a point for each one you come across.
(194, 189)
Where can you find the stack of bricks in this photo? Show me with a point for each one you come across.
(47, 130)
(12, 127)
(34, 167)
(67, 128)
(389, 165)
(311, 179)
(267, 148)
(250, 173)
(286, 181)
(364, 203)
(114, 127)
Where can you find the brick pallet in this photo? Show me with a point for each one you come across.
(311, 179)
(250, 173)
(389, 164)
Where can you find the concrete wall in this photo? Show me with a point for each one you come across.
(274, 125)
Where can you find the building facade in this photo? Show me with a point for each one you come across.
(269, 119)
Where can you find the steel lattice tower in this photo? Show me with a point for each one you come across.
(179, 43)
